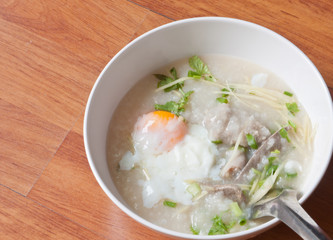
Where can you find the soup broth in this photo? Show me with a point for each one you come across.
(194, 145)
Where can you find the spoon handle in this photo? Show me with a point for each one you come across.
(288, 210)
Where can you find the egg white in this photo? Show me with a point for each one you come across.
(168, 174)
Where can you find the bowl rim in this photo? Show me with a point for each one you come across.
(249, 232)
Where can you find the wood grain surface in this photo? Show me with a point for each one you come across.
(51, 54)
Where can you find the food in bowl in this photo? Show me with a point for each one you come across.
(194, 145)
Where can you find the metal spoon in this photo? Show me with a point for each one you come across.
(286, 208)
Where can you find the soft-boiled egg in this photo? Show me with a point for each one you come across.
(171, 154)
(158, 131)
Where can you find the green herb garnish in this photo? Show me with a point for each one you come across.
(255, 171)
(292, 108)
(251, 141)
(171, 106)
(291, 175)
(242, 221)
(235, 209)
(173, 72)
(276, 151)
(193, 74)
(261, 182)
(194, 189)
(169, 204)
(218, 227)
(240, 148)
(175, 107)
(288, 93)
(283, 132)
(224, 98)
(164, 80)
(292, 124)
(271, 170)
(217, 142)
(194, 230)
(200, 69)
(271, 159)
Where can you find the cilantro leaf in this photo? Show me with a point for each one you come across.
(193, 74)
(200, 69)
(173, 72)
(218, 227)
(292, 108)
(164, 80)
(171, 106)
(198, 65)
(183, 101)
(175, 107)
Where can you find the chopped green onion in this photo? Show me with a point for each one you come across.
(235, 209)
(292, 124)
(261, 182)
(194, 189)
(266, 186)
(288, 93)
(225, 94)
(292, 108)
(222, 100)
(242, 221)
(257, 172)
(271, 159)
(251, 141)
(271, 170)
(291, 175)
(276, 151)
(217, 142)
(194, 230)
(283, 132)
(169, 204)
(240, 148)
(218, 227)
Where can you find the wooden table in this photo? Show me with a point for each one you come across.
(51, 53)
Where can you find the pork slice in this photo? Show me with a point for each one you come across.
(256, 129)
(250, 126)
(236, 162)
(230, 133)
(230, 191)
(275, 141)
(216, 120)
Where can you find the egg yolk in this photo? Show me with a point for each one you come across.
(158, 131)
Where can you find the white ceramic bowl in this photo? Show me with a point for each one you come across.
(198, 36)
